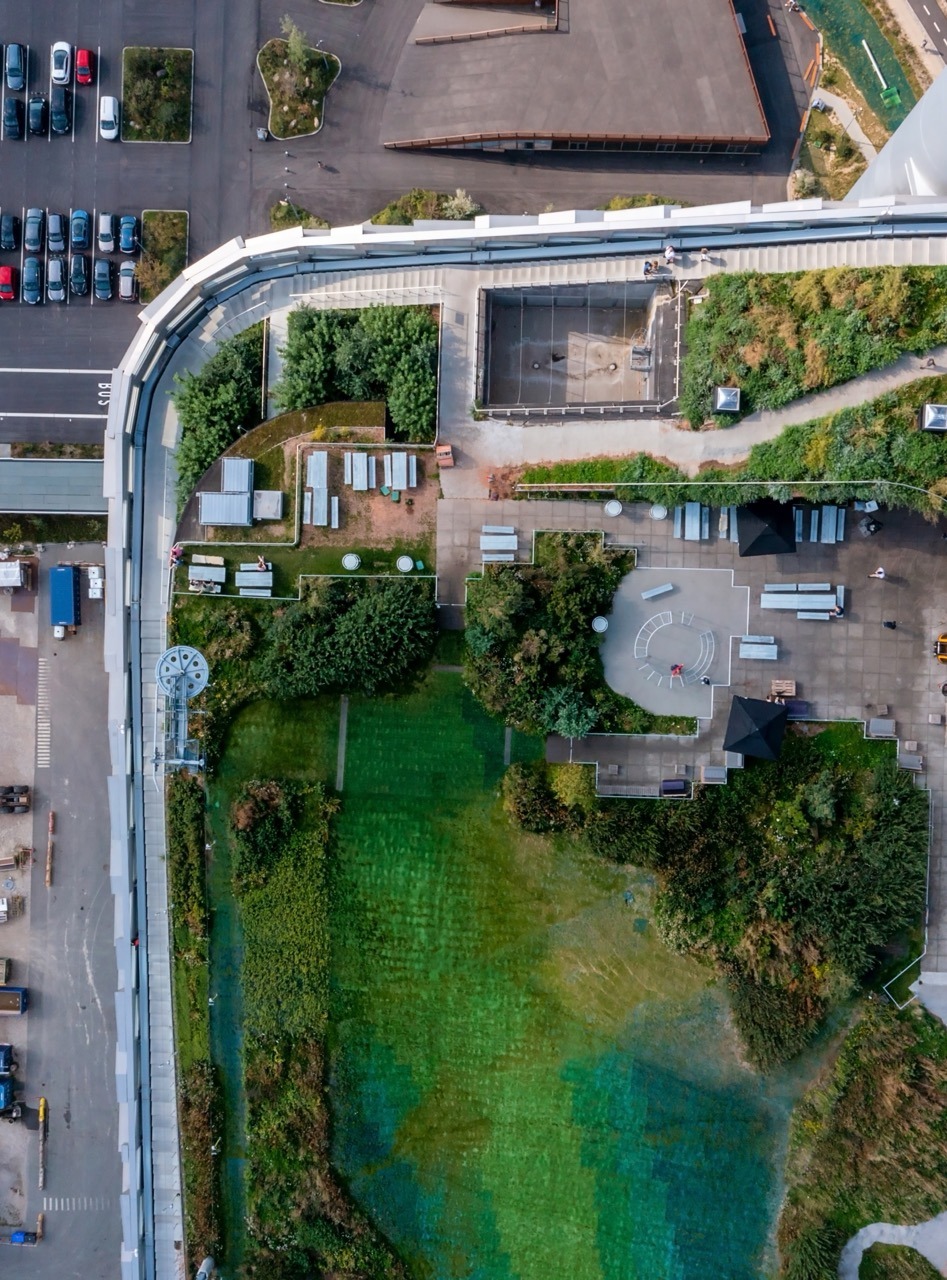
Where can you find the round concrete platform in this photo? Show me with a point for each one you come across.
(669, 639)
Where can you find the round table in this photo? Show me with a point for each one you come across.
(613, 507)
(659, 511)
(404, 564)
(351, 561)
(600, 625)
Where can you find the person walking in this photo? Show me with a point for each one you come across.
(704, 256)
(890, 625)
(879, 574)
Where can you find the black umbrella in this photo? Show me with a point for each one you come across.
(755, 728)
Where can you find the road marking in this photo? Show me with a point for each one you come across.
(926, 10)
(70, 417)
(78, 1204)
(10, 368)
(43, 728)
(936, 27)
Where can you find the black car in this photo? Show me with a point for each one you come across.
(102, 279)
(32, 280)
(15, 67)
(59, 109)
(9, 231)
(12, 118)
(79, 275)
(36, 114)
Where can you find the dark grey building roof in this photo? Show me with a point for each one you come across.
(657, 69)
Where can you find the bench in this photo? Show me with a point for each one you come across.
(818, 600)
(734, 529)
(255, 578)
(498, 528)
(796, 709)
(757, 639)
(840, 597)
(814, 526)
(881, 727)
(678, 521)
(216, 560)
(253, 566)
(664, 588)
(763, 652)
(692, 522)
(783, 688)
(713, 774)
(797, 517)
(911, 760)
(779, 586)
(263, 593)
(806, 616)
(207, 573)
(498, 557)
(815, 586)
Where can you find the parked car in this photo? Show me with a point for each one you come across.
(108, 118)
(9, 231)
(79, 275)
(56, 233)
(8, 284)
(56, 280)
(12, 119)
(84, 66)
(33, 231)
(60, 104)
(61, 62)
(80, 232)
(106, 233)
(127, 281)
(102, 279)
(32, 280)
(128, 233)
(15, 66)
(36, 114)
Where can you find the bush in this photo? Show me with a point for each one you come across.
(156, 94)
(184, 820)
(421, 205)
(261, 822)
(216, 404)
(377, 353)
(297, 79)
(780, 336)
(367, 636)
(163, 250)
(201, 1127)
(529, 800)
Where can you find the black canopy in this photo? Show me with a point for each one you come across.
(766, 528)
(755, 728)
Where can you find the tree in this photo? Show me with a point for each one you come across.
(297, 45)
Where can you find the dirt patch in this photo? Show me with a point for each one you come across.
(371, 519)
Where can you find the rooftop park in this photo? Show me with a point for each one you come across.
(779, 336)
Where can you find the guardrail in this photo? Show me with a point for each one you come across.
(242, 264)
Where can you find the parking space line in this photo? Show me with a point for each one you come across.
(43, 728)
(98, 90)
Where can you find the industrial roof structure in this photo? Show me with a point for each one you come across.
(635, 76)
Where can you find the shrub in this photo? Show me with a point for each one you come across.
(201, 1128)
(184, 812)
(215, 404)
(385, 353)
(529, 800)
(156, 94)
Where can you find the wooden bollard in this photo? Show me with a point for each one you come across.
(51, 825)
(49, 863)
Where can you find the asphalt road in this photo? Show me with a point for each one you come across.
(70, 1024)
(932, 19)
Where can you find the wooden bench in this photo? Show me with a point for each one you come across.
(805, 616)
(783, 688)
(664, 588)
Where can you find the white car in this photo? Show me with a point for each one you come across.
(108, 118)
(61, 62)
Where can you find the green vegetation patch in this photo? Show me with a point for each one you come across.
(832, 161)
(420, 205)
(216, 404)
(156, 94)
(845, 24)
(778, 337)
(163, 250)
(20, 528)
(376, 353)
(643, 202)
(874, 450)
(285, 214)
(531, 654)
(869, 1144)
(895, 1262)
(200, 1097)
(789, 880)
(297, 79)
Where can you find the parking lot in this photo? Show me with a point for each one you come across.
(53, 707)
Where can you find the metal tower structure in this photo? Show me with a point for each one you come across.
(181, 673)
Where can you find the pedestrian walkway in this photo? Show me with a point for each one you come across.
(848, 121)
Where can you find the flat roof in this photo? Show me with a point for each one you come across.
(650, 69)
(225, 508)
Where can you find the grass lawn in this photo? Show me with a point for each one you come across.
(523, 1078)
(163, 249)
(296, 91)
(157, 86)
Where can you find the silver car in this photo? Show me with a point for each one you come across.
(56, 280)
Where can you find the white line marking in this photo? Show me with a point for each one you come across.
(10, 368)
(936, 26)
(70, 417)
(43, 728)
(926, 10)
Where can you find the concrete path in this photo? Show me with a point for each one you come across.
(849, 122)
(928, 1238)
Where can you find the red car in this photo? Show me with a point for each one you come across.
(84, 66)
(8, 284)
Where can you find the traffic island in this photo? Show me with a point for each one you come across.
(297, 78)
(157, 94)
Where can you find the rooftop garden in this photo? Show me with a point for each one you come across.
(778, 337)
(297, 78)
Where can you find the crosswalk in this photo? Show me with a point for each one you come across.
(42, 715)
(78, 1204)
